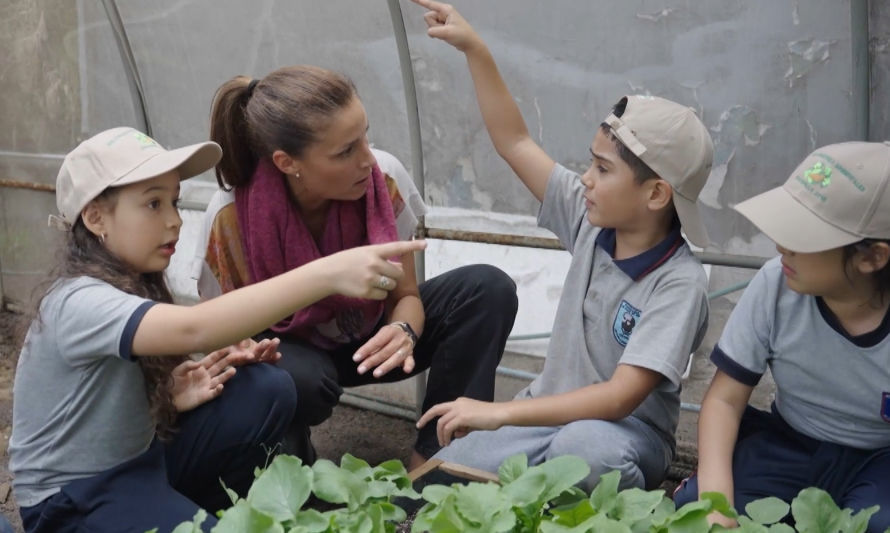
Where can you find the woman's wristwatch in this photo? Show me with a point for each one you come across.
(406, 327)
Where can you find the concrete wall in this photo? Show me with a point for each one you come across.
(772, 79)
(879, 70)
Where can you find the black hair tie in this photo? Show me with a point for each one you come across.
(251, 86)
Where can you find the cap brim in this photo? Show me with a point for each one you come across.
(189, 161)
(690, 220)
(791, 225)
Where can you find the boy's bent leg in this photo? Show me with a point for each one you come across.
(228, 437)
(486, 450)
(871, 486)
(628, 445)
(134, 497)
(469, 315)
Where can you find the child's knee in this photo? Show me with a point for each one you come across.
(600, 459)
(269, 391)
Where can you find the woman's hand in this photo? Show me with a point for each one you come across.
(462, 416)
(195, 384)
(445, 23)
(391, 347)
(366, 271)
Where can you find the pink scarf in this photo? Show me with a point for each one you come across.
(276, 240)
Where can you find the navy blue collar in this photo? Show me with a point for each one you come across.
(638, 266)
(866, 340)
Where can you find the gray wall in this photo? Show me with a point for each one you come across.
(772, 79)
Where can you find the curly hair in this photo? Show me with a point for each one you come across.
(85, 255)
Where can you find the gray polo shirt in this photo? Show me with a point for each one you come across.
(79, 401)
(829, 385)
(649, 311)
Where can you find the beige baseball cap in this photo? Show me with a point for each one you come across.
(676, 145)
(839, 195)
(118, 157)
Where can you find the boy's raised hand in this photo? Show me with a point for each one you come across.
(447, 24)
(367, 271)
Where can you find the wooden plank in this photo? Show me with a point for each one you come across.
(473, 474)
(428, 466)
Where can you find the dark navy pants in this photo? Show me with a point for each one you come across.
(772, 459)
(224, 439)
(469, 314)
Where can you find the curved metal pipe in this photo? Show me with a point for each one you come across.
(130, 68)
(410, 90)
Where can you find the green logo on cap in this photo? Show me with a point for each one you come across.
(144, 139)
(819, 174)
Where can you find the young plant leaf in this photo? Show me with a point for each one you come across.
(310, 521)
(190, 527)
(767, 511)
(664, 509)
(781, 528)
(483, 506)
(691, 518)
(436, 494)
(526, 489)
(815, 512)
(633, 504)
(605, 494)
(561, 473)
(241, 518)
(572, 515)
(282, 489)
(335, 485)
(513, 467)
(357, 466)
(859, 521)
(746, 525)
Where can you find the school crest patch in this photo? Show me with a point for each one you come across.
(885, 406)
(625, 321)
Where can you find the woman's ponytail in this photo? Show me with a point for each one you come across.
(229, 129)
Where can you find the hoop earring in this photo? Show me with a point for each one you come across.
(102, 237)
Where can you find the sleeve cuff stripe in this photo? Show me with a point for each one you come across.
(733, 369)
(126, 346)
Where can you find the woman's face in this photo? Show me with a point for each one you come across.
(337, 166)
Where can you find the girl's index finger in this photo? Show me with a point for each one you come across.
(399, 248)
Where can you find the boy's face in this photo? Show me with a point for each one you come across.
(142, 226)
(613, 198)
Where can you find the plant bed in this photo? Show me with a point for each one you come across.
(521, 498)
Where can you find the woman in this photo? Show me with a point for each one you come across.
(306, 184)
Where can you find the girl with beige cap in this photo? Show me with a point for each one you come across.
(114, 428)
(817, 318)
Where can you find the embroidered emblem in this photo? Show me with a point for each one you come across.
(819, 174)
(625, 321)
(144, 139)
(885, 406)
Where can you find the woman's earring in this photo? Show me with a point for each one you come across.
(102, 237)
(297, 175)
